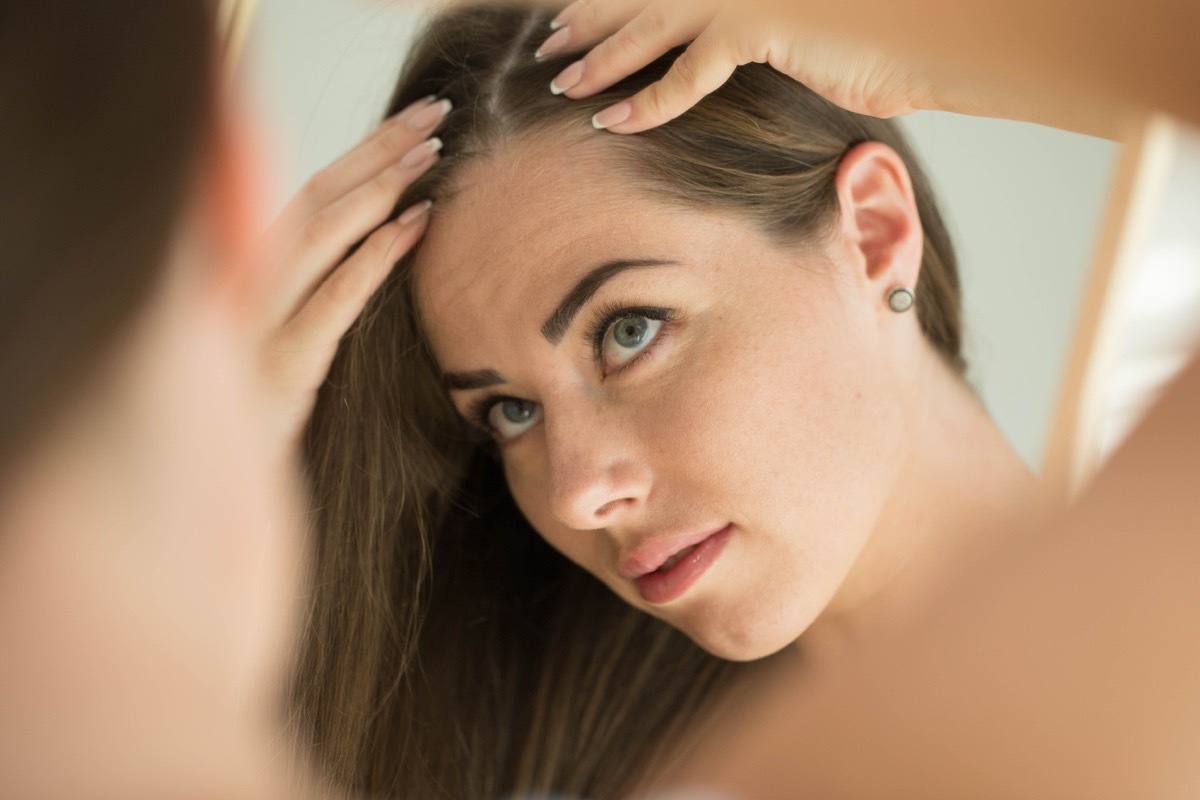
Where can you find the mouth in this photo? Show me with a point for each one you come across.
(677, 570)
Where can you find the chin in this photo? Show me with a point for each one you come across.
(742, 650)
(742, 639)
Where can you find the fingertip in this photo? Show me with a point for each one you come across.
(415, 213)
(568, 80)
(410, 109)
(613, 116)
(565, 15)
(399, 237)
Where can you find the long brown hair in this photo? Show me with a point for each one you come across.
(450, 652)
(106, 107)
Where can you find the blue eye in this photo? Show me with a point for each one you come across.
(509, 418)
(626, 338)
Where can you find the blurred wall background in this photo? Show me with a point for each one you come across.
(1023, 201)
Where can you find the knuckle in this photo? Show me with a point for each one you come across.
(384, 185)
(625, 43)
(686, 71)
(319, 230)
(345, 286)
(655, 104)
(393, 139)
(655, 21)
(353, 281)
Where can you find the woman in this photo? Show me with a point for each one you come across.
(142, 623)
(716, 366)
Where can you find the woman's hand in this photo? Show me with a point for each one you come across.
(629, 34)
(309, 291)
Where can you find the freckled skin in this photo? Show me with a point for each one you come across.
(774, 402)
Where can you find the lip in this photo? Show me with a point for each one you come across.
(656, 587)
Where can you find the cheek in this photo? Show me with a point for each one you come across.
(789, 425)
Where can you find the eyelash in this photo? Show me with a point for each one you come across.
(595, 334)
(609, 313)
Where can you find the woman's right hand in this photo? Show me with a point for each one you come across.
(309, 287)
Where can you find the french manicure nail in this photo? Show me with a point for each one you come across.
(414, 213)
(417, 156)
(613, 115)
(568, 79)
(565, 15)
(414, 107)
(430, 116)
(557, 41)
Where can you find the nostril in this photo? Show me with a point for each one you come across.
(608, 508)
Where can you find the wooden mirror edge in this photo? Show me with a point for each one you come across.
(1073, 445)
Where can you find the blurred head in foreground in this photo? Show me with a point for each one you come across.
(147, 548)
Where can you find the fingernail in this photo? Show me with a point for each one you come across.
(413, 108)
(428, 117)
(613, 115)
(417, 156)
(557, 41)
(565, 15)
(569, 78)
(414, 213)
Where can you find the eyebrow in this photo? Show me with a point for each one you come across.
(559, 322)
(478, 379)
(556, 325)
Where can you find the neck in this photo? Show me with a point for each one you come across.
(961, 493)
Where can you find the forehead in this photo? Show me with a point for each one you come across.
(522, 206)
(523, 225)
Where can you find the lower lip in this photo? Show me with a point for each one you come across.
(663, 587)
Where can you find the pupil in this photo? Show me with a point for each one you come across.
(631, 331)
(517, 411)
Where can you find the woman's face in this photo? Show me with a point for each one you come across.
(659, 379)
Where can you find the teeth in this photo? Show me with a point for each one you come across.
(675, 559)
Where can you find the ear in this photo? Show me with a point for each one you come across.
(232, 191)
(879, 218)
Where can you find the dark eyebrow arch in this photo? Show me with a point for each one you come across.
(556, 325)
(478, 379)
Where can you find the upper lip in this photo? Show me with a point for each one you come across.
(654, 551)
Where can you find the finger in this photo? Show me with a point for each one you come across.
(648, 36)
(583, 24)
(325, 238)
(701, 70)
(383, 147)
(305, 347)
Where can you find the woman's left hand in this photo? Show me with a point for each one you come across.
(629, 34)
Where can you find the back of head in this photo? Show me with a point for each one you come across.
(450, 652)
(104, 113)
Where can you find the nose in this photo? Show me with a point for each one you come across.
(596, 475)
